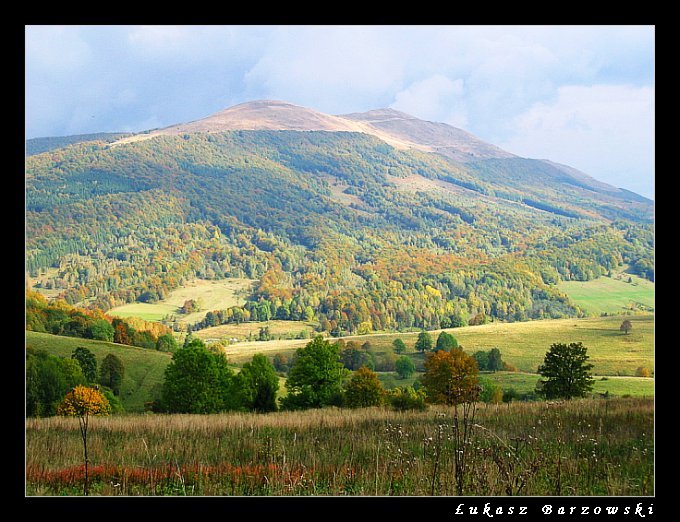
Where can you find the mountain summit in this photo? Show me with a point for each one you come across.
(398, 129)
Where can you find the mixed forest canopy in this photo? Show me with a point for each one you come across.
(337, 227)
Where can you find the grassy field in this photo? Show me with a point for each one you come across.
(212, 295)
(526, 382)
(611, 295)
(143, 368)
(521, 344)
(243, 331)
(585, 447)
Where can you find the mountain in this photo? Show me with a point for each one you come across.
(429, 136)
(362, 222)
(398, 129)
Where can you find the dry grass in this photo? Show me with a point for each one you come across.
(603, 447)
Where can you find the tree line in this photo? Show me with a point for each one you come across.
(59, 318)
(49, 378)
(322, 373)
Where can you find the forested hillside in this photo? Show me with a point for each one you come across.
(336, 226)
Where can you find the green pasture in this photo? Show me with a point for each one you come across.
(611, 295)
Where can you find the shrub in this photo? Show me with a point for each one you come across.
(406, 398)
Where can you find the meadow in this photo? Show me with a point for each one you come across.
(251, 329)
(522, 344)
(611, 295)
(144, 369)
(212, 295)
(615, 355)
(580, 447)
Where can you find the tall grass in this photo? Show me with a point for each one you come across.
(588, 447)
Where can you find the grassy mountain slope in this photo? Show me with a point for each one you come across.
(144, 369)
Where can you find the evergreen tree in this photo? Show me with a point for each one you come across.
(566, 372)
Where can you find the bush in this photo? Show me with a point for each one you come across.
(643, 372)
(406, 398)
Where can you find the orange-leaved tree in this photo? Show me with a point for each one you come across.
(451, 378)
(82, 402)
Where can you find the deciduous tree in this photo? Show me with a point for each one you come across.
(364, 389)
(198, 381)
(258, 384)
(451, 377)
(315, 378)
(112, 372)
(446, 341)
(399, 346)
(424, 342)
(87, 361)
(83, 402)
(626, 326)
(405, 367)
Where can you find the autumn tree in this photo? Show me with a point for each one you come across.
(315, 377)
(641, 371)
(258, 384)
(566, 372)
(83, 402)
(87, 361)
(111, 373)
(364, 389)
(626, 326)
(424, 342)
(450, 377)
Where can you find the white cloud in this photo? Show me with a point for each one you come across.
(436, 99)
(55, 50)
(606, 131)
(490, 80)
(332, 69)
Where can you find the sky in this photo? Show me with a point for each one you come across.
(578, 95)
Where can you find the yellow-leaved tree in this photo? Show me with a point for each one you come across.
(82, 402)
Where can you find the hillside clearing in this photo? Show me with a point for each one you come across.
(217, 294)
(611, 295)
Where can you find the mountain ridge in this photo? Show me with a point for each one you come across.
(398, 129)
